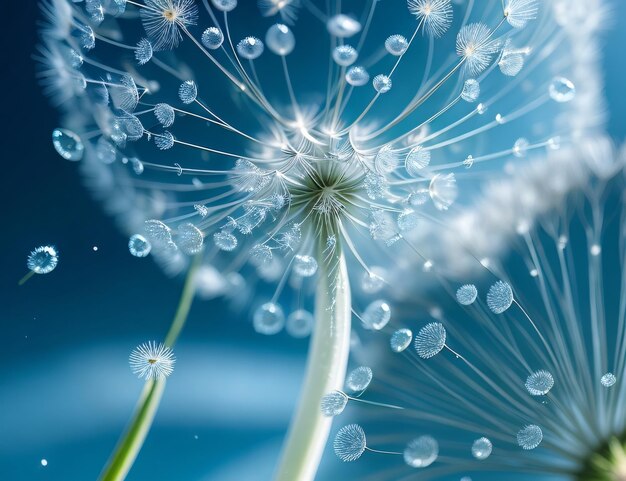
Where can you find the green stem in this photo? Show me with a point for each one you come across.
(325, 372)
(132, 440)
(23, 280)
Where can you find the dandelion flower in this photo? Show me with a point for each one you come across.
(152, 361)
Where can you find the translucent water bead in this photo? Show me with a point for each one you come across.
(268, 319)
(67, 144)
(139, 246)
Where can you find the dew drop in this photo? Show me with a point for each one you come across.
(376, 315)
(304, 266)
(212, 38)
(421, 452)
(345, 55)
(43, 260)
(481, 448)
(67, 144)
(280, 39)
(382, 84)
(269, 319)
(300, 323)
(562, 90)
(139, 246)
(44, 462)
(400, 340)
(357, 76)
(396, 45)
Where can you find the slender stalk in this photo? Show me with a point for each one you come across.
(24, 279)
(325, 372)
(132, 440)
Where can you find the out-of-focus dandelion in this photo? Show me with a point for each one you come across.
(528, 387)
(240, 152)
(42, 260)
(152, 361)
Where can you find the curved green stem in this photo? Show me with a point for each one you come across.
(325, 372)
(24, 279)
(132, 440)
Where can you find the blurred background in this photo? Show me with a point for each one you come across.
(66, 391)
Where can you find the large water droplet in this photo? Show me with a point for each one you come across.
(562, 90)
(67, 144)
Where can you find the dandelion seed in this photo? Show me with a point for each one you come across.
(499, 297)
(539, 383)
(163, 21)
(475, 46)
(189, 238)
(416, 160)
(400, 340)
(520, 148)
(435, 14)
(139, 246)
(430, 340)
(359, 379)
(519, 12)
(481, 448)
(165, 114)
(188, 92)
(43, 260)
(333, 403)
(143, 52)
(152, 361)
(225, 241)
(164, 141)
(421, 452)
(471, 90)
(350, 443)
(67, 144)
(382, 84)
(467, 294)
(269, 319)
(443, 190)
(373, 281)
(529, 437)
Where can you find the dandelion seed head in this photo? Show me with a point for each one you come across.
(539, 383)
(152, 361)
(519, 12)
(345, 55)
(499, 297)
(476, 47)
(343, 26)
(357, 76)
(333, 403)
(382, 84)
(435, 14)
(144, 51)
(359, 379)
(396, 45)
(280, 39)
(67, 144)
(608, 379)
(529, 437)
(421, 452)
(163, 21)
(430, 340)
(467, 294)
(43, 260)
(349, 443)
(224, 5)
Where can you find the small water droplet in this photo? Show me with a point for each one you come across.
(67, 144)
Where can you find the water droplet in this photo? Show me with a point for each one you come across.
(357, 76)
(139, 246)
(250, 48)
(481, 448)
(595, 250)
(304, 266)
(43, 260)
(520, 148)
(300, 323)
(400, 340)
(345, 55)
(280, 39)
(269, 319)
(67, 144)
(212, 38)
(376, 315)
(382, 84)
(343, 26)
(421, 452)
(396, 45)
(44, 462)
(562, 90)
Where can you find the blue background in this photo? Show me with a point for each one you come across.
(65, 388)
